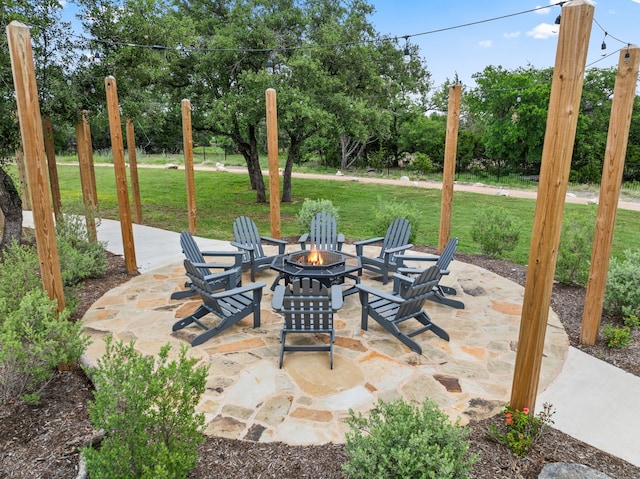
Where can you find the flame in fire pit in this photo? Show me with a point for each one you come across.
(315, 258)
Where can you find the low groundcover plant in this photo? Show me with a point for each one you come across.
(521, 429)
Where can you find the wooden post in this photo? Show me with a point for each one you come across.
(85, 182)
(272, 152)
(614, 156)
(50, 151)
(24, 79)
(115, 128)
(89, 143)
(187, 140)
(133, 171)
(449, 172)
(24, 184)
(564, 104)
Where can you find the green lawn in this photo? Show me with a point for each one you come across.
(223, 196)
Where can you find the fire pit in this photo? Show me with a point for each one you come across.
(328, 267)
(315, 259)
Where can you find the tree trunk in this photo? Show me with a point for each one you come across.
(294, 150)
(11, 206)
(249, 150)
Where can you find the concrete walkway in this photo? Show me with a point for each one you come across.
(470, 377)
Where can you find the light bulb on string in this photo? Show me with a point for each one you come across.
(406, 54)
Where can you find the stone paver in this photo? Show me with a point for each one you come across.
(305, 402)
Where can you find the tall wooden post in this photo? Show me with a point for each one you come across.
(85, 182)
(89, 143)
(115, 128)
(564, 104)
(272, 153)
(133, 171)
(187, 140)
(50, 151)
(24, 79)
(614, 156)
(449, 172)
(24, 184)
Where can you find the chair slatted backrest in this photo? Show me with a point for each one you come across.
(419, 291)
(200, 284)
(324, 232)
(397, 235)
(192, 251)
(307, 306)
(447, 254)
(246, 233)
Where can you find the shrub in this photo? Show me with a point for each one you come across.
(34, 339)
(616, 337)
(421, 163)
(312, 207)
(79, 257)
(387, 211)
(496, 231)
(622, 294)
(400, 440)
(632, 321)
(574, 251)
(147, 411)
(18, 275)
(521, 429)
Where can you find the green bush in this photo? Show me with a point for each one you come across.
(632, 321)
(421, 163)
(616, 337)
(574, 251)
(79, 257)
(34, 339)
(312, 207)
(496, 231)
(387, 211)
(18, 275)
(622, 294)
(399, 440)
(147, 411)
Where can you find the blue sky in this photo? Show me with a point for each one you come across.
(516, 41)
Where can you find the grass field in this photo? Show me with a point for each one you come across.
(222, 196)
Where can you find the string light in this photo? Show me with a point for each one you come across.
(604, 45)
(406, 55)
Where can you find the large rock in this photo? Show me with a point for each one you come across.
(566, 470)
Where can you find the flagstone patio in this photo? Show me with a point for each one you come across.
(305, 402)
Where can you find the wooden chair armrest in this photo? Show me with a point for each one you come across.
(336, 297)
(278, 297)
(224, 267)
(410, 257)
(397, 249)
(303, 239)
(240, 290)
(236, 254)
(281, 244)
(379, 294)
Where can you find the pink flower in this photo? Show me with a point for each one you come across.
(526, 410)
(509, 421)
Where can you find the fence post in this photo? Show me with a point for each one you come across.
(618, 137)
(272, 152)
(449, 171)
(187, 140)
(133, 170)
(564, 104)
(115, 128)
(50, 151)
(24, 79)
(85, 182)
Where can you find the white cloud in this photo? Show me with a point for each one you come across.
(543, 31)
(511, 35)
(485, 43)
(636, 1)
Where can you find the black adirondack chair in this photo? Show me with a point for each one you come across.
(230, 306)
(249, 241)
(307, 307)
(389, 310)
(324, 234)
(394, 244)
(211, 271)
(442, 261)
